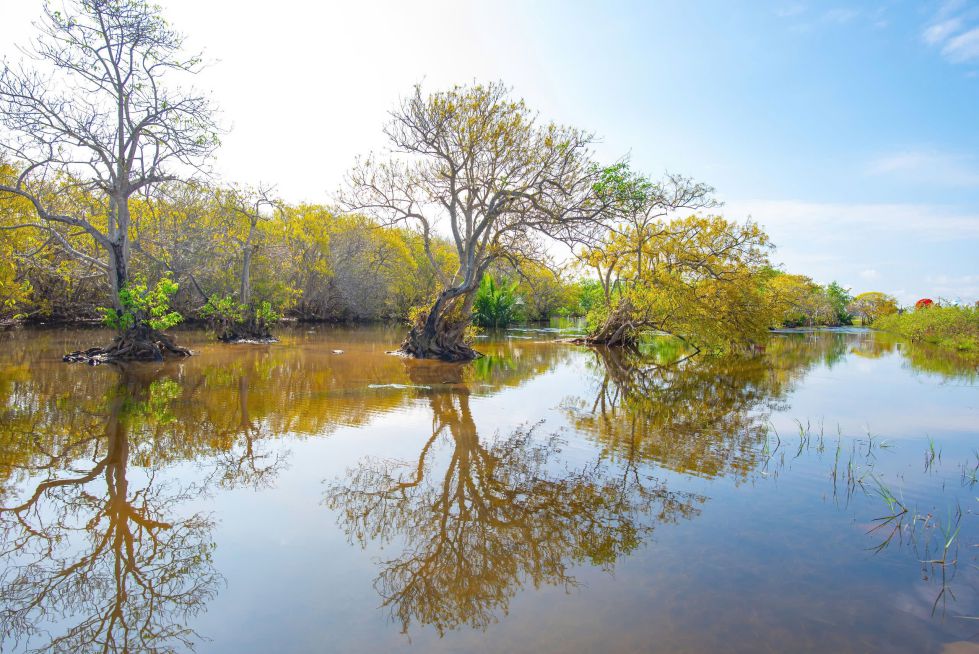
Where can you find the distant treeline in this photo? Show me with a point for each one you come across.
(308, 261)
(311, 262)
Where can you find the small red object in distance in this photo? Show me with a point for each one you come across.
(923, 303)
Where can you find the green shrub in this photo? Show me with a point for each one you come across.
(144, 306)
(496, 305)
(951, 327)
(229, 318)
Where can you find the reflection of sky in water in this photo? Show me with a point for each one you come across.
(776, 554)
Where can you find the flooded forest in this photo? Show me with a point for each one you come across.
(498, 392)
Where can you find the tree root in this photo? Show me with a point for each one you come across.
(136, 344)
(247, 332)
(449, 345)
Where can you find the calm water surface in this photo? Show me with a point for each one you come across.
(818, 497)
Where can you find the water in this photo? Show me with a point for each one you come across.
(818, 497)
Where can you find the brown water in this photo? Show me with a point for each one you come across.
(546, 498)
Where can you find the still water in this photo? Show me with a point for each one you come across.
(319, 495)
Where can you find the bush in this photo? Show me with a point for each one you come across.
(230, 319)
(496, 305)
(952, 327)
(144, 306)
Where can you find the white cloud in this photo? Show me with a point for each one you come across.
(785, 11)
(872, 246)
(938, 32)
(840, 15)
(955, 31)
(958, 288)
(963, 47)
(941, 169)
(825, 220)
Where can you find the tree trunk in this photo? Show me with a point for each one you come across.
(442, 333)
(118, 233)
(118, 273)
(618, 330)
(246, 285)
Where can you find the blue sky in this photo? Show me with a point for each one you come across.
(849, 130)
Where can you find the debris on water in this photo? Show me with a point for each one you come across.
(252, 341)
(400, 386)
(337, 351)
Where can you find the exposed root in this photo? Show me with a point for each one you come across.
(136, 344)
(251, 331)
(446, 345)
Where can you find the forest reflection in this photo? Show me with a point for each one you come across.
(101, 552)
(103, 543)
(478, 518)
(693, 414)
(106, 544)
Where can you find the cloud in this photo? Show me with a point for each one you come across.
(941, 169)
(872, 246)
(786, 11)
(804, 21)
(840, 15)
(824, 220)
(958, 288)
(962, 48)
(954, 30)
(939, 32)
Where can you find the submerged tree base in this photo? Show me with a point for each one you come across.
(136, 344)
(249, 340)
(256, 334)
(447, 345)
(596, 341)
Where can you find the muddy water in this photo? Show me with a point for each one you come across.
(318, 495)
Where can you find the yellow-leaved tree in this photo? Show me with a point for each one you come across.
(701, 278)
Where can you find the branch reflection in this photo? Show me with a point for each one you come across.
(100, 551)
(478, 519)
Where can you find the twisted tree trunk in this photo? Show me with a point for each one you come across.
(620, 329)
(441, 332)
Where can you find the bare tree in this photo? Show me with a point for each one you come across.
(252, 205)
(480, 166)
(92, 110)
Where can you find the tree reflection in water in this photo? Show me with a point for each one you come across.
(703, 415)
(100, 558)
(476, 520)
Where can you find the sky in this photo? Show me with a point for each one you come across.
(848, 130)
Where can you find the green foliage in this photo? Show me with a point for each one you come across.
(226, 315)
(799, 301)
(584, 296)
(144, 306)
(496, 305)
(265, 314)
(701, 278)
(223, 309)
(840, 299)
(951, 327)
